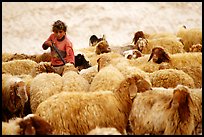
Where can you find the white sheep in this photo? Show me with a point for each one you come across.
(29, 125)
(18, 67)
(165, 111)
(72, 82)
(14, 96)
(43, 86)
(190, 36)
(79, 112)
(170, 78)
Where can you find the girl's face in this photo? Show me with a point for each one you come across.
(59, 34)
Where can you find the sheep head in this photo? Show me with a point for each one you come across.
(34, 125)
(137, 35)
(128, 85)
(93, 40)
(81, 62)
(141, 44)
(181, 100)
(159, 55)
(18, 96)
(102, 46)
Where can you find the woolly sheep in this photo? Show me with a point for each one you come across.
(18, 67)
(108, 78)
(190, 36)
(164, 111)
(170, 78)
(196, 94)
(27, 79)
(189, 62)
(43, 86)
(127, 70)
(72, 82)
(171, 45)
(79, 112)
(14, 96)
(104, 131)
(89, 73)
(29, 125)
(45, 57)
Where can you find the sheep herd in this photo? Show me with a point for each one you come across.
(153, 86)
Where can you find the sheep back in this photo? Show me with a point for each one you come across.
(79, 112)
(72, 82)
(108, 78)
(18, 67)
(43, 86)
(170, 78)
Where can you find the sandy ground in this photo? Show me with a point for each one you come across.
(26, 25)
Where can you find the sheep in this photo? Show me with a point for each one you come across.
(81, 62)
(14, 96)
(89, 73)
(143, 83)
(72, 82)
(158, 55)
(137, 36)
(43, 86)
(190, 37)
(132, 54)
(18, 67)
(170, 78)
(27, 79)
(141, 44)
(164, 111)
(196, 94)
(102, 46)
(79, 112)
(29, 125)
(104, 131)
(196, 48)
(170, 44)
(42, 67)
(107, 78)
(45, 57)
(189, 62)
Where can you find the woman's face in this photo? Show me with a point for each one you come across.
(59, 34)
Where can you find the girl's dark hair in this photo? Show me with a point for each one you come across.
(59, 25)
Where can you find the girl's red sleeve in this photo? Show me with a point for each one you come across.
(70, 53)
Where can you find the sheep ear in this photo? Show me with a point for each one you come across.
(104, 37)
(166, 56)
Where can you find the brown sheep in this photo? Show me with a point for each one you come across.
(29, 125)
(102, 46)
(137, 35)
(159, 55)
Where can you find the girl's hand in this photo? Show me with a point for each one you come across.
(48, 43)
